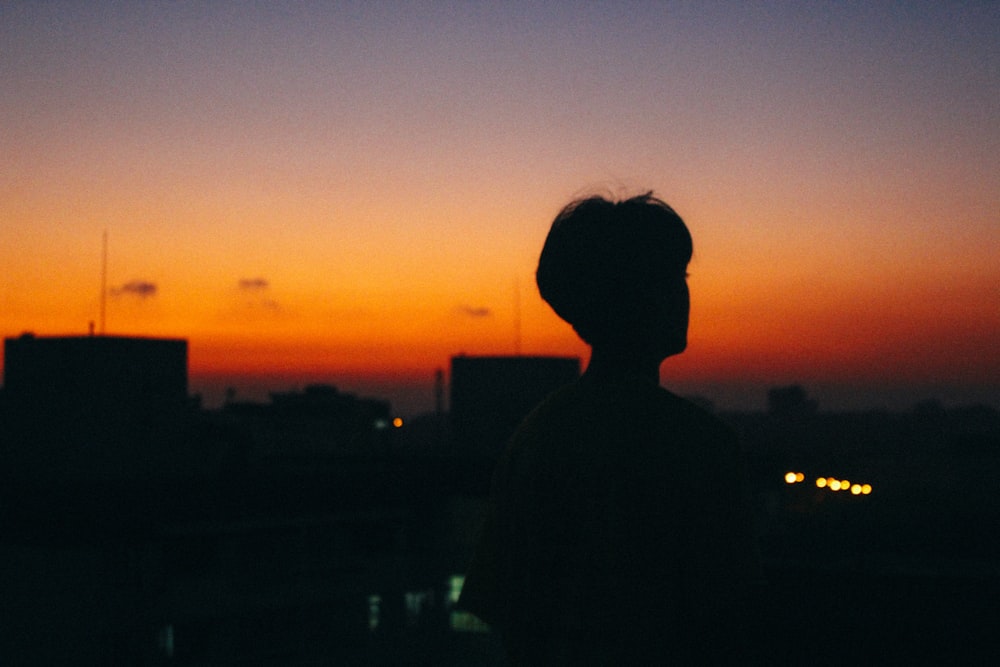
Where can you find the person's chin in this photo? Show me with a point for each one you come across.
(674, 348)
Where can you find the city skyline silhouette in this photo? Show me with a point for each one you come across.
(140, 528)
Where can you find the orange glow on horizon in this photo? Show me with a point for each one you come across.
(358, 192)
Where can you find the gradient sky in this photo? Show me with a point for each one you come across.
(354, 193)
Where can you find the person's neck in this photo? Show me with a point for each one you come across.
(623, 363)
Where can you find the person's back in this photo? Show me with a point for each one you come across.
(618, 532)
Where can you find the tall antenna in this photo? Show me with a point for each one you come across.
(104, 280)
(517, 318)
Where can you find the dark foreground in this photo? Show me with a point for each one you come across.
(285, 571)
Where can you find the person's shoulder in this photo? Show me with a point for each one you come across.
(681, 414)
(545, 440)
(568, 403)
(686, 407)
(580, 416)
(552, 411)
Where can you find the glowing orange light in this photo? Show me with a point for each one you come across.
(866, 489)
(799, 477)
(835, 485)
(856, 489)
(821, 482)
(845, 485)
(397, 422)
(790, 478)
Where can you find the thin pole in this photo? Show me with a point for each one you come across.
(517, 318)
(104, 280)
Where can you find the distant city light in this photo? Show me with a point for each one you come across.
(397, 422)
(799, 476)
(834, 484)
(790, 478)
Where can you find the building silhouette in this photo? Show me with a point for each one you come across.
(95, 371)
(317, 423)
(93, 406)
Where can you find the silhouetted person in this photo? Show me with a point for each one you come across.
(617, 532)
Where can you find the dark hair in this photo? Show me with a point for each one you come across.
(601, 258)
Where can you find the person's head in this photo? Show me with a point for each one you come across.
(616, 271)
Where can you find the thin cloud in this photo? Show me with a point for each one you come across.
(140, 288)
(474, 311)
(256, 294)
(253, 284)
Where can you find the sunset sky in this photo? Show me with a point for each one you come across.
(354, 192)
